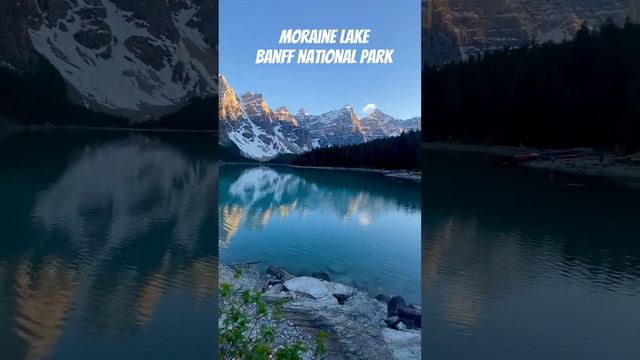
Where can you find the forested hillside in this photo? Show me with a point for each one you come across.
(583, 92)
(400, 152)
(41, 98)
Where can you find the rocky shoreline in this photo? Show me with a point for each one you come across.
(624, 168)
(358, 326)
(404, 174)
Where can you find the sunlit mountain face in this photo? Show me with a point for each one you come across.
(249, 126)
(455, 30)
(113, 238)
(361, 228)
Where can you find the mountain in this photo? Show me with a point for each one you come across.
(129, 58)
(337, 127)
(283, 114)
(250, 128)
(454, 30)
(302, 115)
(249, 125)
(378, 125)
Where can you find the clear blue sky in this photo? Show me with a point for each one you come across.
(248, 25)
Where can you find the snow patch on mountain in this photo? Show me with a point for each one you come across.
(258, 132)
(115, 62)
(253, 141)
(377, 125)
(248, 123)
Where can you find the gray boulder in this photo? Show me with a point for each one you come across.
(321, 275)
(395, 304)
(411, 316)
(279, 273)
(392, 321)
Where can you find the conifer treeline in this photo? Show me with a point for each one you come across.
(400, 152)
(583, 92)
(40, 97)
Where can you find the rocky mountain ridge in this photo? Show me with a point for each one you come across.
(248, 124)
(123, 57)
(378, 125)
(454, 30)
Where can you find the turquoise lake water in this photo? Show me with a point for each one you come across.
(108, 246)
(361, 228)
(525, 264)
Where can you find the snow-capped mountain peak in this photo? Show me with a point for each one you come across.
(255, 107)
(302, 113)
(260, 133)
(283, 114)
(337, 127)
(230, 107)
(377, 124)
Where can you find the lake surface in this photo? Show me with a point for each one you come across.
(108, 245)
(107, 248)
(522, 264)
(361, 228)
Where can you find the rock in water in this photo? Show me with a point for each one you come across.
(395, 304)
(337, 268)
(279, 273)
(321, 275)
(409, 313)
(382, 298)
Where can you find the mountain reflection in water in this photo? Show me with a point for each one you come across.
(519, 264)
(109, 248)
(360, 227)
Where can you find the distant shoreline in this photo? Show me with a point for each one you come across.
(397, 173)
(606, 164)
(15, 127)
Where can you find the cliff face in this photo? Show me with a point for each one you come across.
(136, 58)
(17, 50)
(247, 123)
(439, 36)
(456, 29)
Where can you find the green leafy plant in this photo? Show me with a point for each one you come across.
(243, 334)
